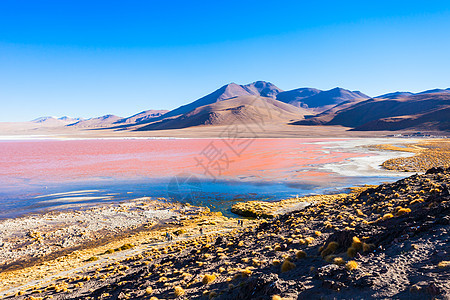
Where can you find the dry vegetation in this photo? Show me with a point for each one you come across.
(389, 241)
(428, 154)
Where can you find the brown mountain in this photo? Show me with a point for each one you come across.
(320, 100)
(243, 109)
(226, 92)
(99, 122)
(418, 111)
(143, 117)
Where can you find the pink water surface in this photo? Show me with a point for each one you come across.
(37, 161)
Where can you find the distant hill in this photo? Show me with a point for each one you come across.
(264, 102)
(243, 109)
(142, 117)
(319, 100)
(395, 111)
(99, 122)
(395, 95)
(55, 121)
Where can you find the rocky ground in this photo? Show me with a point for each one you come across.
(34, 237)
(389, 241)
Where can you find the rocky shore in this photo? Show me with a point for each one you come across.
(389, 241)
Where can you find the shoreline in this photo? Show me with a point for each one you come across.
(341, 171)
(365, 243)
(148, 232)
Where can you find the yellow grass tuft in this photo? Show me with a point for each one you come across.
(351, 252)
(331, 247)
(300, 254)
(276, 297)
(387, 216)
(208, 278)
(287, 266)
(212, 294)
(246, 272)
(357, 244)
(178, 291)
(339, 261)
(403, 211)
(351, 265)
(444, 264)
(309, 240)
(149, 290)
(276, 262)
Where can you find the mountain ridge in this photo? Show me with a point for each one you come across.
(334, 107)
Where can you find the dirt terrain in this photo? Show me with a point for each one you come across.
(389, 241)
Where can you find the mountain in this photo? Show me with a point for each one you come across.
(142, 117)
(319, 100)
(395, 95)
(232, 90)
(417, 111)
(55, 121)
(295, 97)
(264, 102)
(242, 109)
(434, 120)
(99, 122)
(435, 91)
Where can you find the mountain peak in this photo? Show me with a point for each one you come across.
(313, 98)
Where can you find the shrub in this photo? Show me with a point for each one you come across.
(246, 272)
(338, 261)
(309, 240)
(300, 254)
(387, 216)
(351, 265)
(403, 211)
(178, 291)
(356, 243)
(351, 252)
(287, 266)
(331, 247)
(444, 264)
(208, 278)
(92, 258)
(276, 297)
(149, 290)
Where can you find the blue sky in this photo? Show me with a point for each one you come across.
(90, 58)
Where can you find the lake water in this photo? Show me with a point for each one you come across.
(39, 175)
